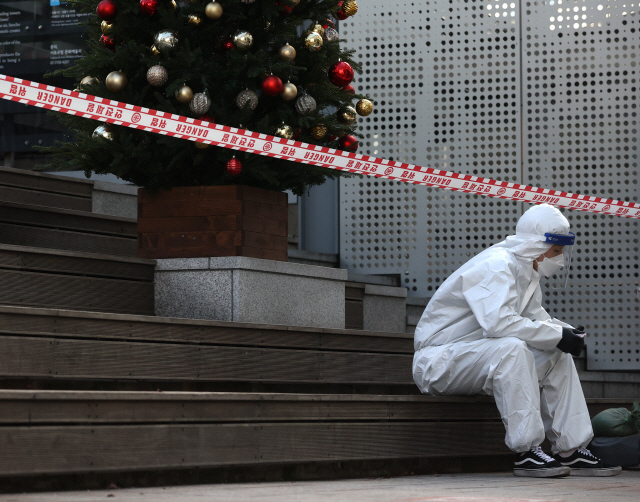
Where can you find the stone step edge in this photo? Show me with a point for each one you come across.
(76, 254)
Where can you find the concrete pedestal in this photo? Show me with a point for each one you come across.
(250, 290)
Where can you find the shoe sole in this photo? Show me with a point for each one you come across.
(595, 472)
(551, 472)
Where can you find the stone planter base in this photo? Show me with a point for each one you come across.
(250, 290)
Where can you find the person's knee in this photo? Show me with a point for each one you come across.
(513, 345)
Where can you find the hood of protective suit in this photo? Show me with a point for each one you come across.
(536, 221)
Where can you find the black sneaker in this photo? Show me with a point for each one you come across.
(537, 464)
(583, 463)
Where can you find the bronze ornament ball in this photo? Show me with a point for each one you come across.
(313, 41)
(88, 80)
(243, 40)
(349, 7)
(166, 41)
(347, 115)
(287, 53)
(364, 107)
(106, 27)
(157, 75)
(184, 94)
(284, 131)
(319, 131)
(116, 81)
(289, 91)
(154, 51)
(102, 131)
(213, 10)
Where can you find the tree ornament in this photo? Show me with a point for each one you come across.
(194, 19)
(157, 75)
(340, 13)
(88, 80)
(287, 53)
(340, 74)
(107, 10)
(284, 131)
(148, 7)
(106, 27)
(206, 118)
(331, 35)
(348, 142)
(201, 146)
(286, 9)
(289, 91)
(313, 41)
(319, 131)
(154, 51)
(108, 42)
(184, 94)
(349, 88)
(200, 103)
(347, 115)
(227, 45)
(364, 107)
(317, 28)
(116, 81)
(305, 104)
(247, 98)
(102, 131)
(213, 10)
(243, 40)
(166, 41)
(174, 4)
(272, 85)
(349, 7)
(234, 166)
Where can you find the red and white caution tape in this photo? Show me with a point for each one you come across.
(123, 114)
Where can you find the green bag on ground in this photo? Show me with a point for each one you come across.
(617, 422)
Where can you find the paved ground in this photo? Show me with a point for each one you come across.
(496, 487)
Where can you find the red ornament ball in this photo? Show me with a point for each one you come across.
(348, 142)
(107, 10)
(234, 167)
(340, 13)
(272, 86)
(341, 74)
(108, 42)
(350, 89)
(286, 9)
(148, 7)
(207, 118)
(227, 45)
(331, 137)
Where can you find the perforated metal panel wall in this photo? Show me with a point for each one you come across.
(525, 92)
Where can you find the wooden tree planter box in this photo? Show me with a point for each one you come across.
(196, 222)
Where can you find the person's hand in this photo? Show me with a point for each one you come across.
(572, 343)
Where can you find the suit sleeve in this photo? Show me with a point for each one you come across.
(490, 291)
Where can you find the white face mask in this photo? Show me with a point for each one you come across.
(550, 266)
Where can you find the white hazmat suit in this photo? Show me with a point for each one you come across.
(486, 332)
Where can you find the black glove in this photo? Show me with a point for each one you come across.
(571, 343)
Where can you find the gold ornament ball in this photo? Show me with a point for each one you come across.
(319, 131)
(287, 53)
(289, 91)
(201, 146)
(154, 51)
(284, 131)
(103, 132)
(364, 107)
(313, 41)
(349, 7)
(106, 27)
(347, 115)
(194, 20)
(184, 94)
(116, 81)
(89, 81)
(213, 10)
(243, 40)
(317, 28)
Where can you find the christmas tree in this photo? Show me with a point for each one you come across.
(274, 67)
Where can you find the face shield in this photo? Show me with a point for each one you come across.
(556, 269)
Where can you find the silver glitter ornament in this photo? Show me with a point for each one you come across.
(166, 41)
(200, 103)
(305, 104)
(247, 98)
(331, 35)
(157, 75)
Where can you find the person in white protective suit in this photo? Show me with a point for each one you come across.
(486, 332)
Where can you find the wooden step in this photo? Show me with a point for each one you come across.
(62, 433)
(38, 277)
(51, 228)
(46, 344)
